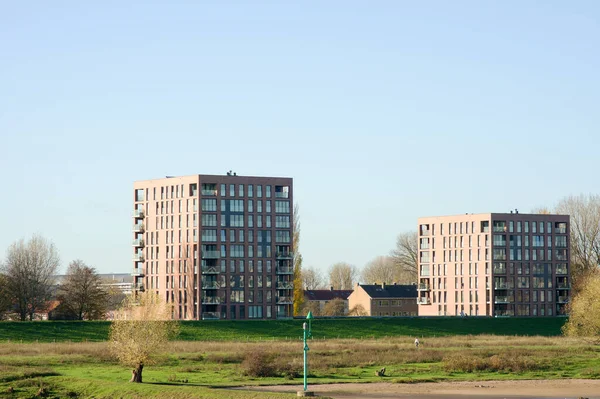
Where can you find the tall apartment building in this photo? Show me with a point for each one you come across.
(493, 264)
(216, 247)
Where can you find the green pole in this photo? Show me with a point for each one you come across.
(306, 335)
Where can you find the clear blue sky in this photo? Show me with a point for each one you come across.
(380, 111)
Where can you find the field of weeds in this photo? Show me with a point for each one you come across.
(203, 369)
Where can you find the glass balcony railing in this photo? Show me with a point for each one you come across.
(210, 316)
(138, 228)
(284, 270)
(423, 287)
(282, 194)
(210, 270)
(563, 285)
(285, 255)
(504, 313)
(562, 299)
(138, 213)
(211, 285)
(138, 243)
(212, 300)
(209, 192)
(285, 285)
(424, 301)
(285, 300)
(138, 257)
(503, 299)
(211, 254)
(138, 271)
(139, 287)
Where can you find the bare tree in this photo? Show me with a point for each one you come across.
(342, 276)
(335, 307)
(383, 269)
(298, 288)
(141, 330)
(584, 211)
(5, 298)
(358, 310)
(311, 306)
(29, 268)
(541, 210)
(82, 294)
(405, 255)
(312, 279)
(584, 314)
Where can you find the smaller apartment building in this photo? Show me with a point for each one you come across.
(494, 264)
(384, 299)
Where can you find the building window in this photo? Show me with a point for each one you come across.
(209, 205)
(223, 190)
(282, 206)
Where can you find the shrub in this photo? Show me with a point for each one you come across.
(505, 362)
(259, 364)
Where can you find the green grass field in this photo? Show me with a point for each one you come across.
(57, 331)
(209, 369)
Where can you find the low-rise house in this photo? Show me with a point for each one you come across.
(317, 300)
(383, 300)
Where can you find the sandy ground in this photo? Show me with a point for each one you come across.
(484, 390)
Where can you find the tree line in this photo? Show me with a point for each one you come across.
(400, 266)
(28, 285)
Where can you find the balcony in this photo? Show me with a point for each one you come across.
(285, 300)
(139, 243)
(423, 287)
(210, 270)
(503, 299)
(562, 299)
(138, 287)
(137, 271)
(499, 270)
(212, 300)
(209, 192)
(211, 285)
(501, 286)
(138, 228)
(504, 313)
(563, 286)
(211, 254)
(138, 258)
(284, 285)
(210, 316)
(424, 300)
(284, 270)
(285, 255)
(138, 214)
(282, 194)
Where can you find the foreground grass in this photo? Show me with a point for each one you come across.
(207, 369)
(58, 331)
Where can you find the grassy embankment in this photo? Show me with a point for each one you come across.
(291, 329)
(203, 369)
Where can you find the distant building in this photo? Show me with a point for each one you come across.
(494, 264)
(384, 299)
(317, 299)
(215, 246)
(122, 282)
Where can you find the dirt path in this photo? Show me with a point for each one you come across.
(472, 390)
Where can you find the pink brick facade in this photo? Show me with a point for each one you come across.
(216, 247)
(493, 264)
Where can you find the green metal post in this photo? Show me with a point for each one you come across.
(306, 335)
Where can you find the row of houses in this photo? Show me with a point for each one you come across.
(366, 300)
